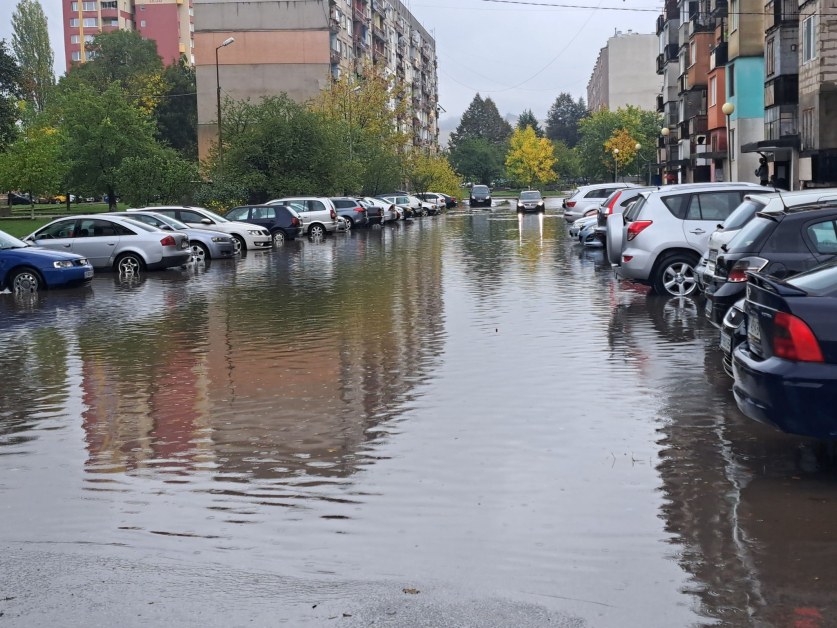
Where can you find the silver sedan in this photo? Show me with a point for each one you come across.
(206, 245)
(121, 244)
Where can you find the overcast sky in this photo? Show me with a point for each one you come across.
(520, 55)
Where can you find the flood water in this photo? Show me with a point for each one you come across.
(464, 421)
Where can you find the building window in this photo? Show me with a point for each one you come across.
(89, 6)
(91, 22)
(109, 4)
(142, 23)
(731, 81)
(808, 129)
(74, 39)
(692, 53)
(733, 15)
(809, 36)
(769, 59)
(713, 91)
(114, 21)
(76, 56)
(73, 22)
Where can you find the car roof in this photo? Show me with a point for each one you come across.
(781, 199)
(700, 187)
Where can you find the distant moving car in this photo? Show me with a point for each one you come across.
(26, 269)
(318, 214)
(786, 372)
(117, 243)
(205, 244)
(245, 236)
(352, 211)
(589, 197)
(282, 221)
(480, 196)
(530, 201)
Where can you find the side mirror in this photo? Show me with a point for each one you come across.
(206, 221)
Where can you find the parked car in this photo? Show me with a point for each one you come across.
(118, 243)
(282, 221)
(530, 201)
(245, 236)
(581, 223)
(437, 200)
(353, 211)
(745, 212)
(786, 372)
(318, 214)
(205, 244)
(450, 201)
(616, 203)
(658, 241)
(19, 199)
(480, 196)
(589, 197)
(26, 269)
(401, 201)
(733, 333)
(388, 212)
(778, 243)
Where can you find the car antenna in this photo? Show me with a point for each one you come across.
(781, 198)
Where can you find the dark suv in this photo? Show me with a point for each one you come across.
(778, 244)
(282, 221)
(480, 195)
(356, 215)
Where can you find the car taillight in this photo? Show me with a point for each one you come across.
(794, 340)
(738, 272)
(359, 210)
(294, 221)
(612, 203)
(168, 241)
(333, 215)
(570, 203)
(637, 227)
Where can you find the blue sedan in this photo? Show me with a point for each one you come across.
(786, 372)
(24, 268)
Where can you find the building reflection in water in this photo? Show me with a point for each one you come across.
(750, 509)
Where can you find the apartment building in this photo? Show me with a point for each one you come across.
(168, 22)
(299, 47)
(624, 73)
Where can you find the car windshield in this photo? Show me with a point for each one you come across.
(821, 280)
(742, 214)
(10, 242)
(213, 215)
(479, 189)
(533, 195)
(174, 223)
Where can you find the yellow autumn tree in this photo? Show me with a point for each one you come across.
(622, 141)
(530, 158)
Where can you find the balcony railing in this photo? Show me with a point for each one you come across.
(336, 57)
(697, 126)
(783, 90)
(719, 9)
(780, 122)
(661, 105)
(719, 55)
(781, 12)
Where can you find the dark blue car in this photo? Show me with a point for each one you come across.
(786, 372)
(24, 268)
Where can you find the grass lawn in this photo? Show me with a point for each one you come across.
(20, 224)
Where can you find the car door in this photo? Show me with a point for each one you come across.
(58, 236)
(264, 217)
(97, 239)
(702, 211)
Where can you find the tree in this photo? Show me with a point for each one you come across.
(126, 58)
(102, 129)
(530, 158)
(481, 120)
(162, 176)
(30, 42)
(10, 92)
(478, 160)
(434, 173)
(562, 121)
(622, 146)
(642, 127)
(177, 113)
(527, 118)
(33, 163)
(567, 166)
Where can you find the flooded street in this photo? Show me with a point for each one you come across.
(464, 421)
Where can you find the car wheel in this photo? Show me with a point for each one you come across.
(349, 223)
(26, 281)
(675, 275)
(316, 231)
(199, 252)
(128, 264)
(424, 211)
(239, 245)
(278, 237)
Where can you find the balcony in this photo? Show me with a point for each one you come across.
(379, 33)
(783, 90)
(336, 57)
(334, 25)
(718, 9)
(701, 23)
(400, 27)
(781, 13)
(697, 126)
(780, 122)
(661, 24)
(661, 105)
(683, 83)
(671, 10)
(361, 13)
(719, 55)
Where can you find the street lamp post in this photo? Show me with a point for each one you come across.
(224, 43)
(615, 165)
(664, 132)
(638, 147)
(728, 109)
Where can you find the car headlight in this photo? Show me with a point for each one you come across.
(540, 203)
(64, 263)
(220, 239)
(520, 204)
(255, 232)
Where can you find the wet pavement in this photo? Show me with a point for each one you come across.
(464, 421)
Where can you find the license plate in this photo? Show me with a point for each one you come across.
(88, 274)
(754, 328)
(726, 342)
(707, 309)
(713, 255)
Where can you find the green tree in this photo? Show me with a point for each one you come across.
(478, 159)
(563, 119)
(10, 93)
(567, 166)
(30, 42)
(177, 114)
(432, 173)
(102, 129)
(527, 118)
(595, 131)
(162, 176)
(481, 120)
(530, 158)
(33, 163)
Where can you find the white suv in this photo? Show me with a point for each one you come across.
(587, 198)
(659, 239)
(318, 214)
